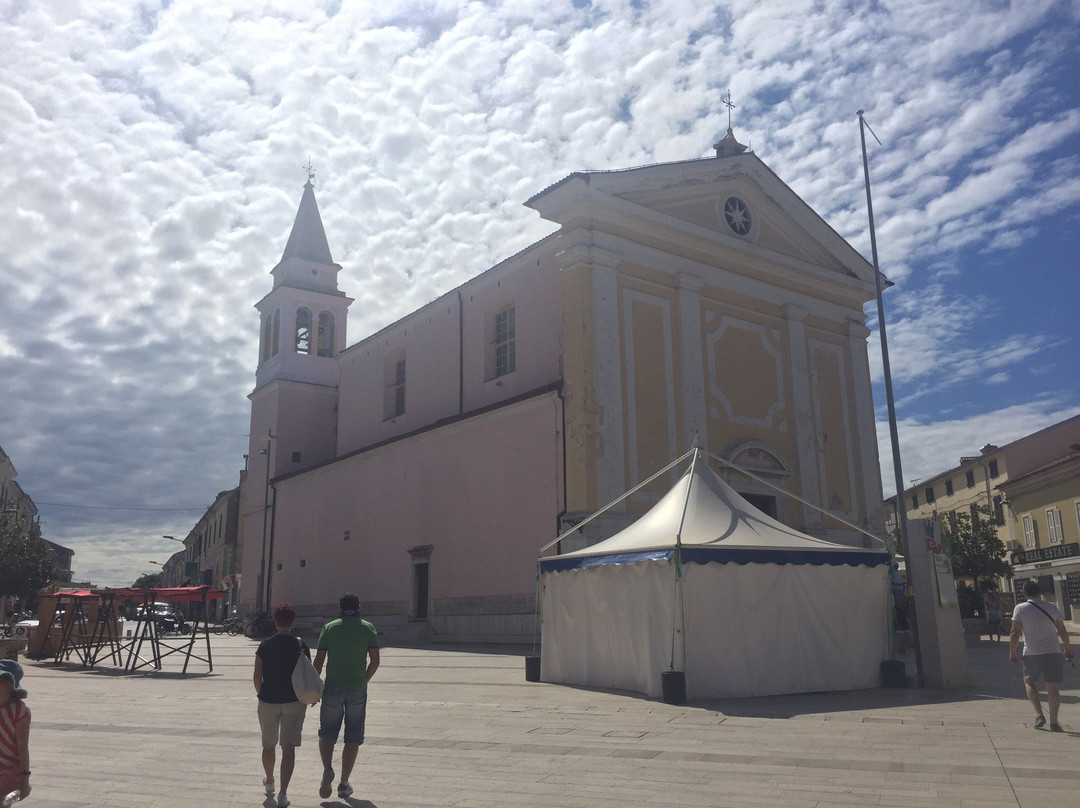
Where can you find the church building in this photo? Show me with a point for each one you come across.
(424, 466)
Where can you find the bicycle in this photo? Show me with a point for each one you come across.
(231, 626)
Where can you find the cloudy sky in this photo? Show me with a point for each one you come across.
(152, 159)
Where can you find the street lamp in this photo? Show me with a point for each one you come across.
(264, 573)
(173, 538)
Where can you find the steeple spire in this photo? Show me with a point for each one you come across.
(728, 145)
(308, 239)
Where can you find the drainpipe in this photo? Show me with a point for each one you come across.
(461, 353)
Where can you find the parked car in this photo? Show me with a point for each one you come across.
(24, 628)
(167, 619)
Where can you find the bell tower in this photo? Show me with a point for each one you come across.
(294, 404)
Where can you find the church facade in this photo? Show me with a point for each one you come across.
(424, 466)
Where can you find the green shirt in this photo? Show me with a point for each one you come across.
(346, 642)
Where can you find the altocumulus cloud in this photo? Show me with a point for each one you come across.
(154, 154)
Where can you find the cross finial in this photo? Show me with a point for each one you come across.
(310, 171)
(730, 106)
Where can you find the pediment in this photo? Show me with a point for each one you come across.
(766, 223)
(692, 197)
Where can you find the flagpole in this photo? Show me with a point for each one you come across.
(894, 437)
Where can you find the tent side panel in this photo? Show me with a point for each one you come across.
(765, 629)
(608, 626)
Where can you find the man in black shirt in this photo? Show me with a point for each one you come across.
(281, 715)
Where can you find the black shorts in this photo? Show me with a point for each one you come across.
(1049, 667)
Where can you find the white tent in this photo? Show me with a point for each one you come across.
(707, 584)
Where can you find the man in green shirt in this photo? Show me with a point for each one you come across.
(352, 646)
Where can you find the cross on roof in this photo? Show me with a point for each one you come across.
(730, 106)
(310, 170)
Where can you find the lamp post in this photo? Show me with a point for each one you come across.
(894, 438)
(259, 605)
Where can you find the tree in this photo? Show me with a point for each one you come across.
(149, 581)
(972, 544)
(26, 562)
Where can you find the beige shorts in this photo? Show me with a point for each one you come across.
(284, 721)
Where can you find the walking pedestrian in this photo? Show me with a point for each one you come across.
(14, 732)
(350, 648)
(992, 610)
(281, 714)
(1042, 626)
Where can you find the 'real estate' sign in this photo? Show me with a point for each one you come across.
(1047, 554)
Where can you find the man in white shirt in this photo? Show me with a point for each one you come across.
(1042, 626)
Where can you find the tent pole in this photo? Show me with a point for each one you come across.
(677, 616)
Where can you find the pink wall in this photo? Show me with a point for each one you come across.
(1037, 450)
(428, 339)
(485, 493)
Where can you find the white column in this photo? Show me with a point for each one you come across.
(695, 418)
(809, 479)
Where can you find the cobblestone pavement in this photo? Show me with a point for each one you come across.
(464, 728)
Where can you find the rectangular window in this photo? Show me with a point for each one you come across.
(1029, 530)
(948, 488)
(993, 468)
(971, 478)
(347, 535)
(505, 342)
(999, 510)
(930, 494)
(1078, 515)
(399, 390)
(1053, 525)
(914, 500)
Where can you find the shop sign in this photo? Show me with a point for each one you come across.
(1047, 553)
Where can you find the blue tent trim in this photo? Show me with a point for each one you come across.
(724, 555)
(736, 555)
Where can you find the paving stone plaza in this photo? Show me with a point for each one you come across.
(448, 727)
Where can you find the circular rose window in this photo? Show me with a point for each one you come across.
(738, 215)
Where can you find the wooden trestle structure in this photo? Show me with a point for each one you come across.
(90, 631)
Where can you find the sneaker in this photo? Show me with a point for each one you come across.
(326, 786)
(269, 786)
(344, 790)
(1056, 728)
(282, 801)
(1040, 721)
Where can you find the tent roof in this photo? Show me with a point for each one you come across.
(716, 525)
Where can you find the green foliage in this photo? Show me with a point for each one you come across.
(973, 546)
(26, 562)
(149, 581)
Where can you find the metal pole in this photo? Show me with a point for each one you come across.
(266, 510)
(901, 511)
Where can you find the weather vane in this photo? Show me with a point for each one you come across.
(310, 171)
(730, 106)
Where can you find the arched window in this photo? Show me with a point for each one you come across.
(303, 331)
(765, 463)
(276, 334)
(326, 334)
(268, 333)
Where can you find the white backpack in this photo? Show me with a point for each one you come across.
(305, 679)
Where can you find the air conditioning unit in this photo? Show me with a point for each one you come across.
(1013, 545)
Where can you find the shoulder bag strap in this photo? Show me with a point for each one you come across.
(1049, 616)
